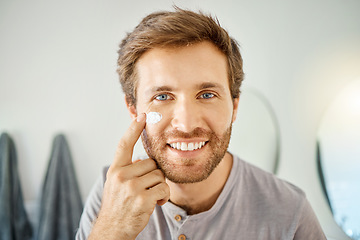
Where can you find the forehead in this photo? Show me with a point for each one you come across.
(182, 67)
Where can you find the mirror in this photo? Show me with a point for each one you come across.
(255, 134)
(339, 158)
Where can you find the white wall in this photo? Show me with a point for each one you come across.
(58, 61)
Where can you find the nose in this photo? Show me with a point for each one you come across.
(186, 116)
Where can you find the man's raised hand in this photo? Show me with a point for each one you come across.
(131, 190)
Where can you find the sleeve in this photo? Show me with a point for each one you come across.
(308, 226)
(91, 209)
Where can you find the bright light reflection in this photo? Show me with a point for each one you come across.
(339, 138)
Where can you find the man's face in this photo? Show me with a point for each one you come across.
(189, 87)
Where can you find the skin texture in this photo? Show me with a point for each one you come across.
(189, 87)
(131, 191)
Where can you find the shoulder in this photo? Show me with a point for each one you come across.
(263, 191)
(268, 202)
(260, 180)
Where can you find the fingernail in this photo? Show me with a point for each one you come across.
(141, 117)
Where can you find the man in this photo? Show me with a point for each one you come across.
(184, 66)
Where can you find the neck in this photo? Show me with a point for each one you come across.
(199, 197)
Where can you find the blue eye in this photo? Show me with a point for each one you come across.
(207, 95)
(162, 97)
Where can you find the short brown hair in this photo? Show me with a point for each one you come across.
(176, 29)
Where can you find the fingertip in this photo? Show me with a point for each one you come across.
(141, 117)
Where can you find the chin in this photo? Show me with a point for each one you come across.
(185, 176)
(189, 170)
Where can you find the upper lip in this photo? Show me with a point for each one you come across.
(188, 140)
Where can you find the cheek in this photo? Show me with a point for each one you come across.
(153, 129)
(156, 129)
(220, 118)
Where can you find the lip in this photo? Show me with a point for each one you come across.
(187, 140)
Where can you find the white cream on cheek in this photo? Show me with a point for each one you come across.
(153, 117)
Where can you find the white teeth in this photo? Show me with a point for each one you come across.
(196, 145)
(183, 146)
(190, 146)
(187, 146)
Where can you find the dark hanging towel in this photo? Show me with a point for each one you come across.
(14, 222)
(60, 205)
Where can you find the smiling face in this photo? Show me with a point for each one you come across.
(189, 86)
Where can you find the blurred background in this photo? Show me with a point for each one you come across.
(58, 75)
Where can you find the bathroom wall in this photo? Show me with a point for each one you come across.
(58, 62)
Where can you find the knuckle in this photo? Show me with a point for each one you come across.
(122, 145)
(164, 189)
(118, 175)
(109, 173)
(133, 184)
(159, 174)
(133, 127)
(150, 163)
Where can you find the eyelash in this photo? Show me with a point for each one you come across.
(209, 93)
(162, 94)
(168, 96)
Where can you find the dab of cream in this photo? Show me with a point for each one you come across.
(153, 117)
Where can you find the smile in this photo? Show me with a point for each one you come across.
(187, 146)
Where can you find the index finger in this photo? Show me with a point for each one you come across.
(124, 151)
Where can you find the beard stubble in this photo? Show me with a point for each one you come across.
(156, 146)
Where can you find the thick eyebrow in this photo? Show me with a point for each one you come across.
(159, 89)
(207, 85)
(201, 86)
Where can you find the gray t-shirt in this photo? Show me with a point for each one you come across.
(254, 204)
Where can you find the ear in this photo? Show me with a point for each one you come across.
(235, 109)
(131, 108)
